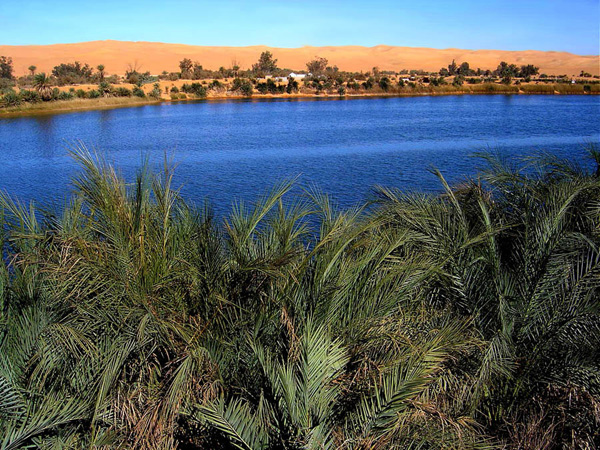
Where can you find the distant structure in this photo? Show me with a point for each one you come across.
(298, 76)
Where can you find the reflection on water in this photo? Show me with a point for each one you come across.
(45, 130)
(241, 148)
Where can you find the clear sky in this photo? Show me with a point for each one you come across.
(571, 25)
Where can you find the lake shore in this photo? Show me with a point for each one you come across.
(80, 105)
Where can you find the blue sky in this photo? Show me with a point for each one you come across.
(483, 24)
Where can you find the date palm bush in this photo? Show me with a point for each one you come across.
(42, 84)
(132, 319)
(521, 258)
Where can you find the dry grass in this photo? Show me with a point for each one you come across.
(537, 89)
(491, 88)
(74, 105)
(569, 88)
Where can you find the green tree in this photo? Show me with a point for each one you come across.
(465, 69)
(317, 66)
(101, 72)
(384, 84)
(32, 70)
(6, 67)
(70, 73)
(185, 66)
(266, 64)
(292, 86)
(528, 71)
(458, 81)
(453, 68)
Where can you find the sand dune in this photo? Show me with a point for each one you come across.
(156, 57)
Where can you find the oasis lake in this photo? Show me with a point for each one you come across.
(230, 150)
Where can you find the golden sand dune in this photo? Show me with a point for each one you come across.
(155, 57)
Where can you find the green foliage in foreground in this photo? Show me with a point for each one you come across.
(466, 320)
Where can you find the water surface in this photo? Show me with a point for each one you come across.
(238, 149)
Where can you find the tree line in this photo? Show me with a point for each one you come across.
(318, 77)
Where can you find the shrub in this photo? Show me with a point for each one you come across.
(138, 92)
(174, 96)
(80, 93)
(215, 84)
(467, 319)
(198, 90)
(174, 90)
(292, 86)
(247, 89)
(93, 94)
(123, 92)
(105, 89)
(458, 80)
(30, 96)
(11, 98)
(385, 84)
(55, 93)
(262, 88)
(64, 95)
(155, 92)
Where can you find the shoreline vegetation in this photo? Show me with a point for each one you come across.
(131, 318)
(83, 104)
(79, 87)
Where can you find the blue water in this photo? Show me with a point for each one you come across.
(239, 149)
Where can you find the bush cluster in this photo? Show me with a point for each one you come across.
(469, 319)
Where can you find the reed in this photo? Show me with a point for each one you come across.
(537, 89)
(78, 104)
(564, 88)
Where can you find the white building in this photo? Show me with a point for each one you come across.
(298, 76)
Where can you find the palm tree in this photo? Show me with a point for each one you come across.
(468, 319)
(519, 259)
(32, 70)
(41, 83)
(101, 72)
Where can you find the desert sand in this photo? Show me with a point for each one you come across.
(155, 57)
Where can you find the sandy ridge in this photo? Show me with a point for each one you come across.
(156, 57)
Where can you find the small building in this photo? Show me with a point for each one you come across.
(298, 76)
